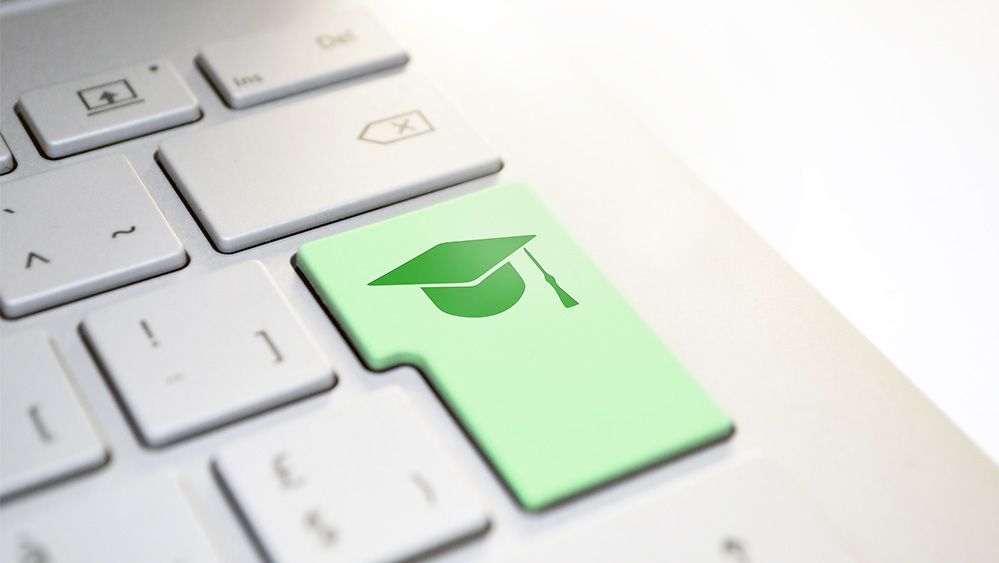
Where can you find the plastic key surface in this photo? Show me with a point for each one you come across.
(147, 521)
(215, 349)
(363, 483)
(353, 150)
(743, 514)
(107, 108)
(553, 374)
(80, 230)
(260, 67)
(46, 434)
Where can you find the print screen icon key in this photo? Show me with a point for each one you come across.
(111, 95)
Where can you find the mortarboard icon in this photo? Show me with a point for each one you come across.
(447, 271)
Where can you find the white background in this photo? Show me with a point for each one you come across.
(859, 137)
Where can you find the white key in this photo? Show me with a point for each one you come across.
(148, 520)
(745, 514)
(107, 108)
(6, 158)
(77, 231)
(253, 69)
(365, 483)
(45, 432)
(199, 354)
(252, 180)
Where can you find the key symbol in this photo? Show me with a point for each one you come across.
(33, 552)
(403, 126)
(736, 550)
(127, 231)
(35, 414)
(285, 473)
(396, 128)
(149, 333)
(316, 524)
(32, 256)
(278, 358)
(424, 486)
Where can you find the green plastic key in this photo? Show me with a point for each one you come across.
(551, 372)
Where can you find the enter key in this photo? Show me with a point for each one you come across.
(551, 372)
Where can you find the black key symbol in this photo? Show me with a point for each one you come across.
(285, 472)
(149, 333)
(33, 552)
(736, 550)
(32, 256)
(315, 522)
(424, 486)
(278, 358)
(35, 414)
(127, 231)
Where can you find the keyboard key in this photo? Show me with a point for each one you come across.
(257, 68)
(193, 356)
(6, 158)
(551, 372)
(107, 108)
(365, 483)
(743, 514)
(148, 520)
(45, 432)
(77, 231)
(250, 181)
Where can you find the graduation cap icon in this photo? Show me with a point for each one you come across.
(451, 275)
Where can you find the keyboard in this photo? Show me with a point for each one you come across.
(287, 282)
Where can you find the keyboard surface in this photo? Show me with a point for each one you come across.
(222, 305)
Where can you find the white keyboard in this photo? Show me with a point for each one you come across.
(170, 389)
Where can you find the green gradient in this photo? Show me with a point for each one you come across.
(562, 392)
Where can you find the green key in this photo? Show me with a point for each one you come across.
(555, 377)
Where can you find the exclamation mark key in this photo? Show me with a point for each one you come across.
(195, 355)
(149, 333)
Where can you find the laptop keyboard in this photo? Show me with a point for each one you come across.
(368, 482)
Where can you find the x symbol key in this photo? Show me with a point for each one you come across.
(403, 127)
(396, 128)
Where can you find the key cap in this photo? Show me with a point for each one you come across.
(148, 520)
(206, 352)
(77, 231)
(551, 372)
(6, 158)
(107, 108)
(249, 181)
(364, 483)
(744, 514)
(46, 434)
(261, 67)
